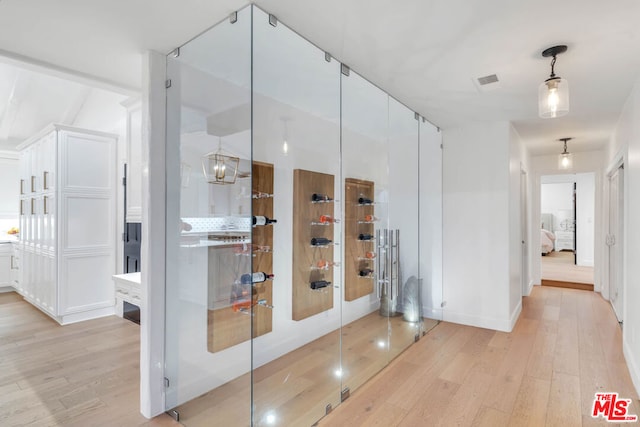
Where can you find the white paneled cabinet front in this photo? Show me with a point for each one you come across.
(68, 223)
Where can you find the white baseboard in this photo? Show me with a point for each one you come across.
(631, 364)
(515, 315)
(498, 324)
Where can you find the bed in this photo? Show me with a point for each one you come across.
(546, 237)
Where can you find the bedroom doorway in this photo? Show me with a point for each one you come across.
(567, 230)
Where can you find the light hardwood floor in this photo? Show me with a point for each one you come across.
(85, 374)
(565, 347)
(559, 266)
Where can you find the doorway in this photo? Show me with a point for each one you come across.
(567, 230)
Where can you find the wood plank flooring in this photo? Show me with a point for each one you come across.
(559, 267)
(85, 374)
(566, 346)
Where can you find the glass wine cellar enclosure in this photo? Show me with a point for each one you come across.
(303, 227)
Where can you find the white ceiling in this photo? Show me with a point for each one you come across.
(425, 53)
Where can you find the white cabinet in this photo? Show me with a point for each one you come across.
(134, 160)
(5, 264)
(564, 240)
(66, 252)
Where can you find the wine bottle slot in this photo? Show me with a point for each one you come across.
(317, 197)
(362, 236)
(364, 201)
(258, 277)
(370, 218)
(263, 220)
(327, 219)
(319, 284)
(320, 241)
(365, 272)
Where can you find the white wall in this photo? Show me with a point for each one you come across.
(476, 210)
(431, 219)
(625, 144)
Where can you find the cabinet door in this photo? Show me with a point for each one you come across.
(48, 158)
(5, 267)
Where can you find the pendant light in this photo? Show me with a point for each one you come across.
(565, 160)
(553, 94)
(220, 168)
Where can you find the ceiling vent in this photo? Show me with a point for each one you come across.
(487, 80)
(487, 83)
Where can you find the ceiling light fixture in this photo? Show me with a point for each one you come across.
(220, 168)
(565, 161)
(553, 94)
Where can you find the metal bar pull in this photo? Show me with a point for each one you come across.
(12, 264)
(378, 272)
(21, 207)
(33, 209)
(33, 184)
(45, 180)
(22, 186)
(46, 208)
(396, 261)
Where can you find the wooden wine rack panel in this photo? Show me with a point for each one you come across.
(307, 302)
(355, 286)
(225, 327)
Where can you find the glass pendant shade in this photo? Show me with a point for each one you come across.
(553, 98)
(565, 161)
(219, 168)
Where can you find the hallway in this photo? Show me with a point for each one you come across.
(565, 347)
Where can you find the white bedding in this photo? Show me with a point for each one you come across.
(546, 241)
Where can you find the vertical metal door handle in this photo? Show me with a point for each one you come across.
(33, 184)
(12, 266)
(397, 262)
(45, 184)
(21, 207)
(32, 205)
(378, 281)
(22, 186)
(46, 209)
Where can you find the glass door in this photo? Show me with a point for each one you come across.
(403, 243)
(296, 135)
(210, 296)
(368, 297)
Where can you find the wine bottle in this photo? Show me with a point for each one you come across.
(319, 284)
(365, 272)
(258, 277)
(327, 219)
(317, 197)
(263, 220)
(365, 201)
(370, 255)
(370, 218)
(319, 241)
(365, 236)
(324, 264)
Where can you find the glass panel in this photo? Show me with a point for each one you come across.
(404, 227)
(431, 223)
(365, 338)
(209, 296)
(296, 132)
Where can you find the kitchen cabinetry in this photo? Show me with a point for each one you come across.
(67, 205)
(5, 264)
